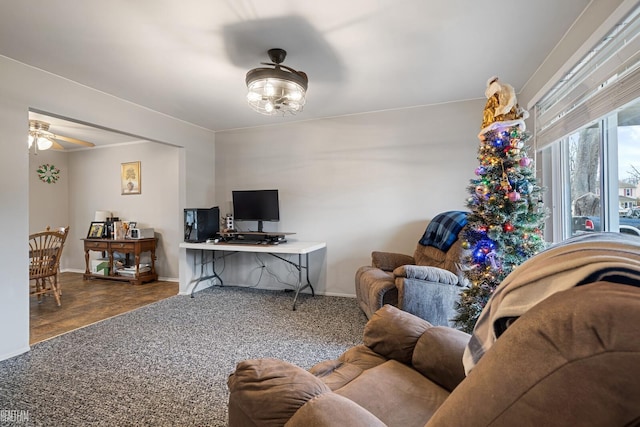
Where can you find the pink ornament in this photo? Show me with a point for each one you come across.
(514, 196)
(525, 162)
(482, 190)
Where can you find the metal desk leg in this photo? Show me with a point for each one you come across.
(202, 276)
(299, 286)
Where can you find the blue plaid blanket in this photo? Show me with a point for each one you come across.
(443, 230)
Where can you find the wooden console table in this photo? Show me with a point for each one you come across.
(127, 246)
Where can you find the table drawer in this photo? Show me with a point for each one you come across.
(123, 246)
(97, 246)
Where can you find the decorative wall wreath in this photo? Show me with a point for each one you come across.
(48, 173)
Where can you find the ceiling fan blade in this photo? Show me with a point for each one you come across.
(56, 146)
(75, 141)
(281, 66)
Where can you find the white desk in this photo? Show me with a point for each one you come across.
(189, 280)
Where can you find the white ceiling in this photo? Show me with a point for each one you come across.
(188, 58)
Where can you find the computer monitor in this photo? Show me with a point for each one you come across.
(256, 205)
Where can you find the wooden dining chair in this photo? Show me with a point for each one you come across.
(45, 250)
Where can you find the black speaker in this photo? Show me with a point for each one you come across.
(201, 224)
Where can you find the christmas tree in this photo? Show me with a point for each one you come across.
(506, 221)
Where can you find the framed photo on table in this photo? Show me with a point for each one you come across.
(128, 226)
(130, 178)
(96, 230)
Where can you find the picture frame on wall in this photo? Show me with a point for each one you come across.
(130, 178)
(95, 230)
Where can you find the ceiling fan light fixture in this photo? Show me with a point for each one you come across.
(44, 143)
(37, 135)
(279, 90)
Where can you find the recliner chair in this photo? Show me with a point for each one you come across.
(572, 360)
(426, 284)
(556, 345)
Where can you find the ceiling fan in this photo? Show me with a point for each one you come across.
(44, 140)
(277, 90)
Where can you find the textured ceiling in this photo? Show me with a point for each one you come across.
(188, 58)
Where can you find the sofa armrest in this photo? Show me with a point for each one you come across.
(263, 391)
(438, 356)
(389, 261)
(331, 409)
(394, 333)
(430, 274)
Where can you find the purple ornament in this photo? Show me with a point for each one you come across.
(480, 170)
(514, 196)
(525, 162)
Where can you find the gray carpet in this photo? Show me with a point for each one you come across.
(168, 363)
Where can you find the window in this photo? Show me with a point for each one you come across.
(600, 166)
(588, 128)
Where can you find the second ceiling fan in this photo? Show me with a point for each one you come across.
(44, 140)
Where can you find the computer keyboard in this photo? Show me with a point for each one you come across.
(246, 242)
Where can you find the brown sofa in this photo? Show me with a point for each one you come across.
(571, 360)
(426, 284)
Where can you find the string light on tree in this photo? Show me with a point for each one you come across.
(505, 225)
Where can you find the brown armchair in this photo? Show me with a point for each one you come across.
(426, 284)
(572, 360)
(556, 345)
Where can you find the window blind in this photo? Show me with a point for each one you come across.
(606, 79)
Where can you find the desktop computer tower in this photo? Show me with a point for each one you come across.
(201, 224)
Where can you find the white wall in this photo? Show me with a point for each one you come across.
(361, 183)
(23, 87)
(48, 203)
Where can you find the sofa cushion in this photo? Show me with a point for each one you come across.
(388, 261)
(337, 373)
(392, 333)
(396, 394)
(438, 355)
(362, 356)
(331, 409)
(430, 256)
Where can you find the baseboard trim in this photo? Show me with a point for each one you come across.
(22, 350)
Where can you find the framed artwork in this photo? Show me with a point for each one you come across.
(96, 230)
(130, 178)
